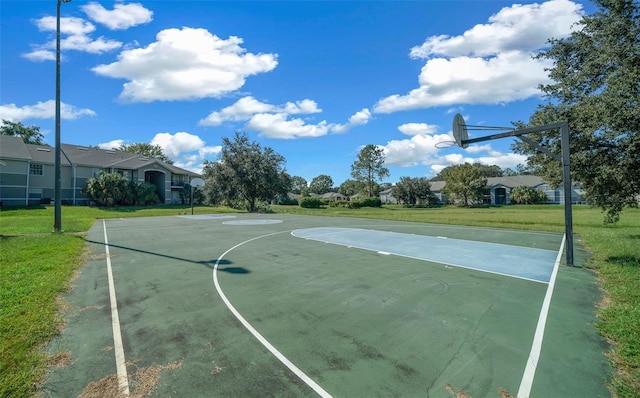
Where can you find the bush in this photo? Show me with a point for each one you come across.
(367, 202)
(340, 203)
(310, 203)
(287, 202)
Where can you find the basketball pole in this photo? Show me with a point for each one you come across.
(564, 159)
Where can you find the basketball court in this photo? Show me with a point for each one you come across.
(273, 305)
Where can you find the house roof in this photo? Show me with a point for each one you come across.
(515, 181)
(12, 147)
(15, 148)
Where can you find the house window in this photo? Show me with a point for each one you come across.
(36, 169)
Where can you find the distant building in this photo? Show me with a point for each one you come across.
(27, 172)
(499, 190)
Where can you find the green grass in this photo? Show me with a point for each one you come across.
(37, 267)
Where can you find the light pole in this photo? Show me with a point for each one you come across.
(57, 223)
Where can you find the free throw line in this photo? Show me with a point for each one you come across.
(532, 363)
(121, 368)
(286, 362)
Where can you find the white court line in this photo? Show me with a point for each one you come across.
(121, 368)
(319, 390)
(536, 347)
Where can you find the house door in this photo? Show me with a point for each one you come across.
(501, 196)
(156, 178)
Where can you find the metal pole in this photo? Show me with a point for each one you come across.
(57, 223)
(566, 180)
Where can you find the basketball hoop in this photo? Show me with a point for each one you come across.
(445, 144)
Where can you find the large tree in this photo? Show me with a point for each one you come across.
(29, 134)
(148, 150)
(595, 87)
(485, 170)
(298, 184)
(368, 167)
(321, 184)
(247, 171)
(465, 184)
(413, 191)
(351, 187)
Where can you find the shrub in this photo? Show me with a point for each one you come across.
(310, 203)
(286, 201)
(340, 203)
(368, 202)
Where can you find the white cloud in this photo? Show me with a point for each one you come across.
(123, 16)
(519, 27)
(357, 119)
(113, 144)
(77, 31)
(187, 151)
(174, 144)
(490, 63)
(246, 107)
(417, 128)
(274, 121)
(421, 150)
(42, 110)
(417, 150)
(185, 64)
(278, 125)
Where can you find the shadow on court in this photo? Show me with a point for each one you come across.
(209, 264)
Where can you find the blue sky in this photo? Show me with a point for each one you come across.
(315, 81)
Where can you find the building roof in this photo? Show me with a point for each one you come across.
(515, 181)
(12, 147)
(15, 148)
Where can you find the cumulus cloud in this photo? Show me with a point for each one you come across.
(357, 119)
(275, 121)
(421, 150)
(42, 110)
(113, 144)
(490, 63)
(76, 32)
(246, 107)
(185, 64)
(418, 128)
(123, 16)
(187, 151)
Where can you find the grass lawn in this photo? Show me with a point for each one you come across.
(37, 265)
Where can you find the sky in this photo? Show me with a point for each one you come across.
(313, 80)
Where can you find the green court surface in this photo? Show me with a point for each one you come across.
(277, 305)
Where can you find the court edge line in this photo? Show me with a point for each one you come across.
(121, 368)
(536, 347)
(286, 362)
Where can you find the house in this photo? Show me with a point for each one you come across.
(27, 172)
(498, 190)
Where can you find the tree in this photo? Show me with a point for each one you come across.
(298, 184)
(148, 150)
(351, 187)
(368, 167)
(321, 184)
(246, 171)
(465, 184)
(485, 171)
(110, 189)
(29, 134)
(413, 191)
(525, 195)
(595, 88)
